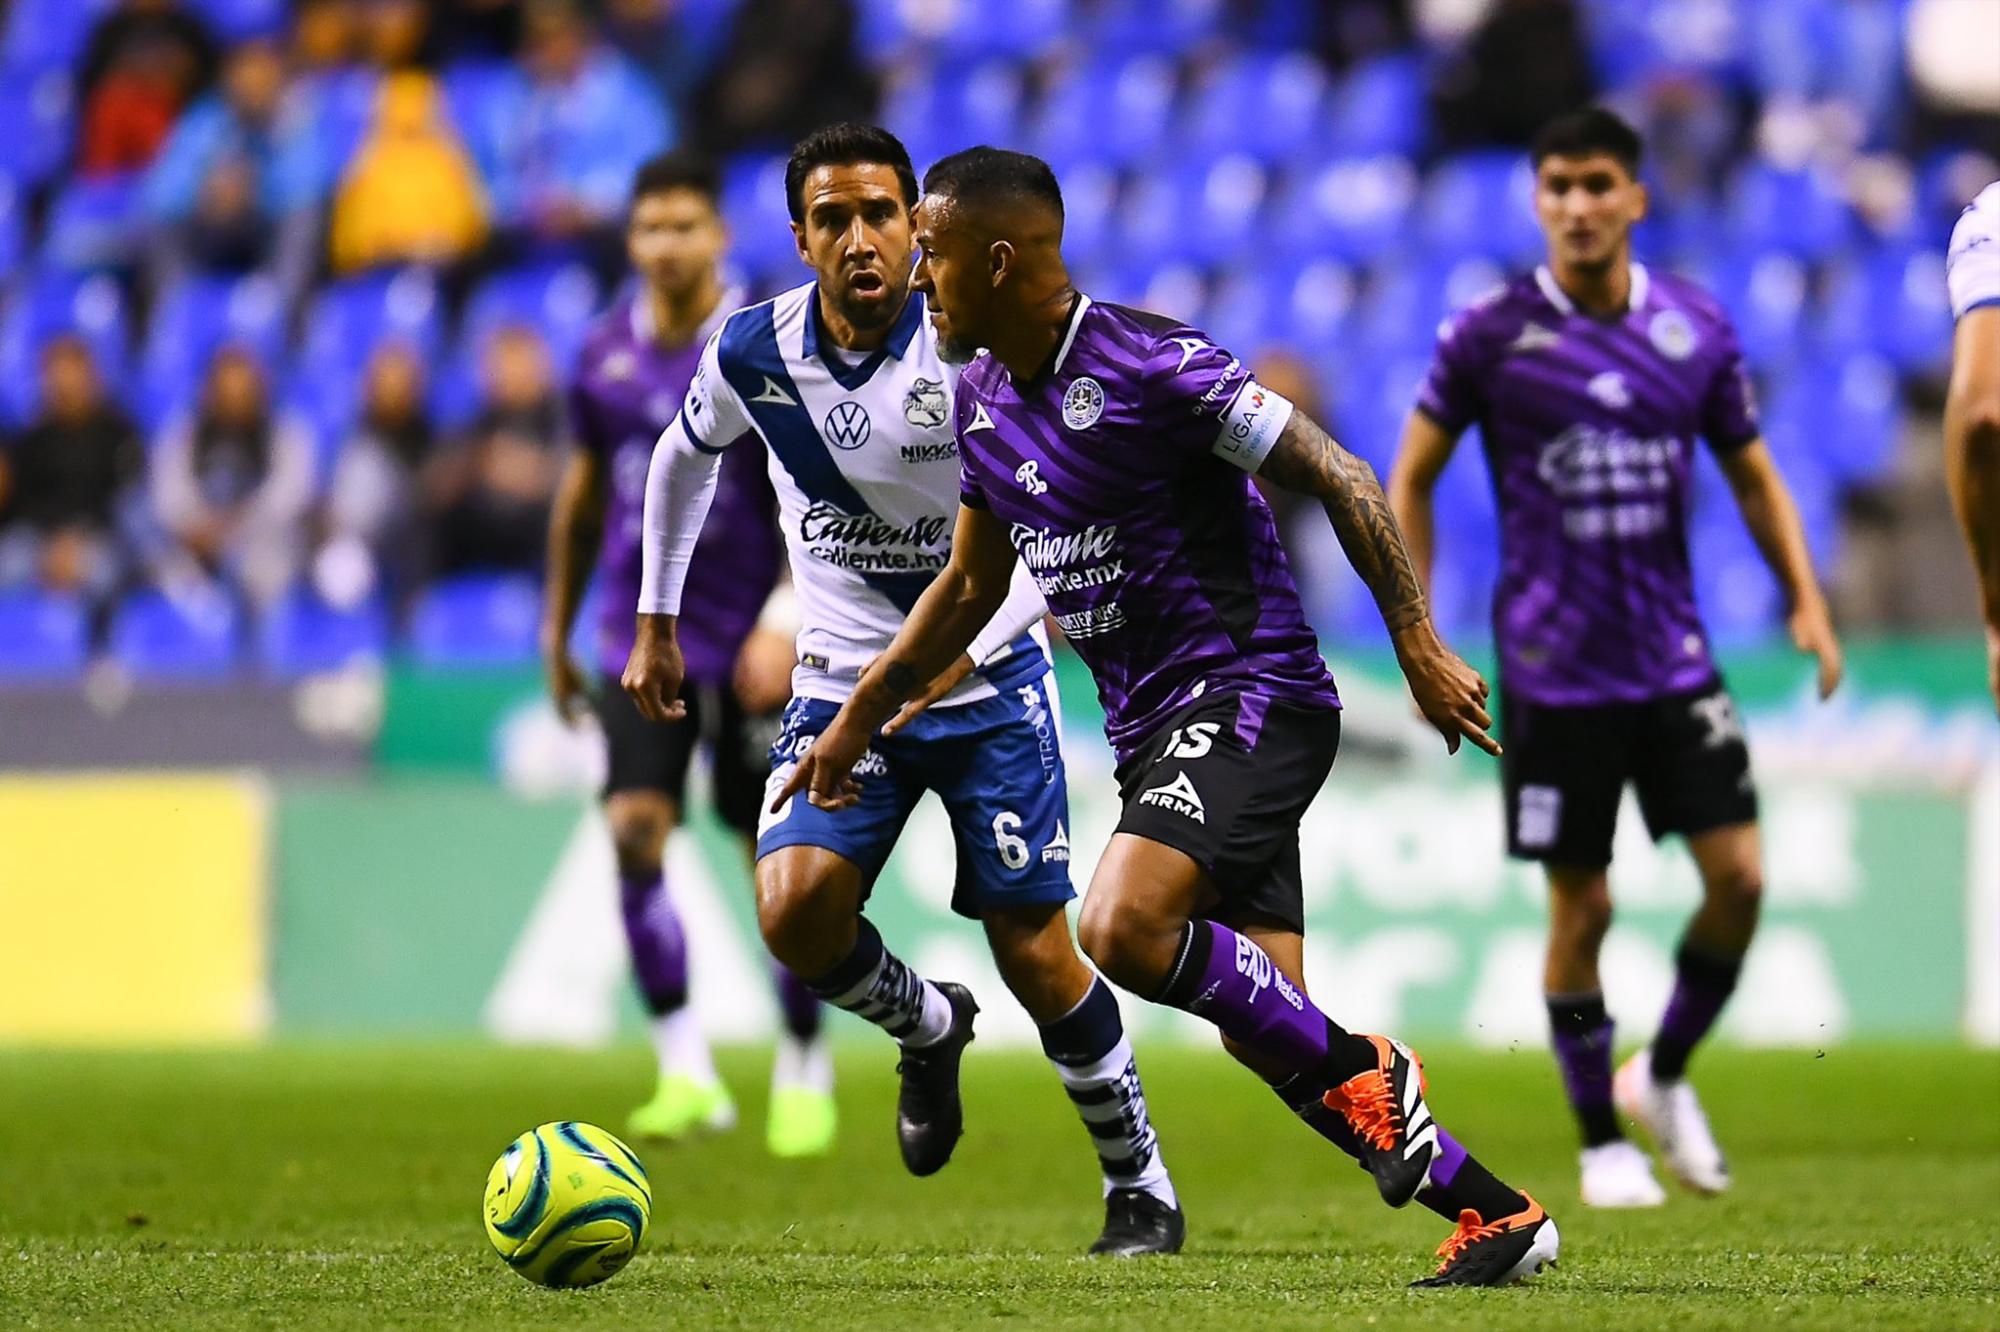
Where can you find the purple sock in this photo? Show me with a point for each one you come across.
(1226, 978)
(1582, 1033)
(801, 1006)
(655, 939)
(1703, 982)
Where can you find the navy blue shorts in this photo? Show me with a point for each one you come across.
(997, 766)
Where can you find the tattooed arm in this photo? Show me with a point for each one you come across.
(1307, 461)
(960, 601)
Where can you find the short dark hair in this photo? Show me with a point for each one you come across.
(678, 169)
(1586, 133)
(846, 144)
(986, 175)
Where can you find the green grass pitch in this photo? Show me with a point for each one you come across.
(338, 1186)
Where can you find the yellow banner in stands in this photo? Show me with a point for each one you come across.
(132, 909)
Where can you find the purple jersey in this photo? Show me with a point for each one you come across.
(1589, 428)
(628, 389)
(1156, 554)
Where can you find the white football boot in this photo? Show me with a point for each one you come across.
(1618, 1174)
(1671, 1112)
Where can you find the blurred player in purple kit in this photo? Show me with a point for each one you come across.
(634, 370)
(1590, 380)
(1110, 451)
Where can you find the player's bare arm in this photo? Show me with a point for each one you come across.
(576, 528)
(1420, 460)
(1972, 460)
(1773, 520)
(960, 601)
(1450, 693)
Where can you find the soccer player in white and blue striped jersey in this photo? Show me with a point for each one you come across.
(842, 380)
(1972, 404)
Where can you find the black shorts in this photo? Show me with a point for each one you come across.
(654, 756)
(1231, 796)
(1565, 771)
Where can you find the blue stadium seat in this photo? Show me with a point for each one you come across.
(348, 320)
(191, 321)
(1206, 213)
(43, 636)
(1734, 591)
(1844, 414)
(36, 108)
(1355, 209)
(13, 230)
(1108, 110)
(302, 635)
(940, 109)
(753, 199)
(1481, 203)
(1269, 105)
(476, 620)
(1406, 302)
(1379, 394)
(1018, 30)
(48, 34)
(1307, 306)
(1799, 212)
(1090, 209)
(236, 20)
(1765, 296)
(1893, 303)
(49, 303)
(157, 640)
(559, 300)
(1377, 109)
(1154, 26)
(93, 223)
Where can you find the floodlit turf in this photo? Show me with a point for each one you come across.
(336, 1187)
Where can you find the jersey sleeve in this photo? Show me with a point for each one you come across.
(583, 421)
(1972, 263)
(1729, 409)
(1206, 401)
(1450, 393)
(966, 410)
(712, 414)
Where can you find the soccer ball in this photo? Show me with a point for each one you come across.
(567, 1204)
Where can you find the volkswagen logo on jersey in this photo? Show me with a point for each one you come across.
(848, 426)
(1083, 404)
(924, 405)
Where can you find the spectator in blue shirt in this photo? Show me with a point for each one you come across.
(566, 135)
(235, 187)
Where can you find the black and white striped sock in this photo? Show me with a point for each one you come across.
(1087, 1045)
(874, 983)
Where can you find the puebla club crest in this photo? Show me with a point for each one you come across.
(1083, 404)
(924, 405)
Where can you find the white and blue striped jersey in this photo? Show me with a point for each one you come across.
(1972, 263)
(864, 462)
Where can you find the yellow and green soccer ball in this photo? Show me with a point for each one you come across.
(567, 1204)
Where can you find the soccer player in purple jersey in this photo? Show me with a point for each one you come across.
(634, 370)
(1111, 452)
(1590, 380)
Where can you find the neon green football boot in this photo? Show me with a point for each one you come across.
(683, 1106)
(802, 1123)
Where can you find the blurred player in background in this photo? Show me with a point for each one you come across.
(1110, 452)
(1590, 380)
(842, 381)
(635, 367)
(1972, 404)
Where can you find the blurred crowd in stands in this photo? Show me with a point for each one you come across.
(290, 289)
